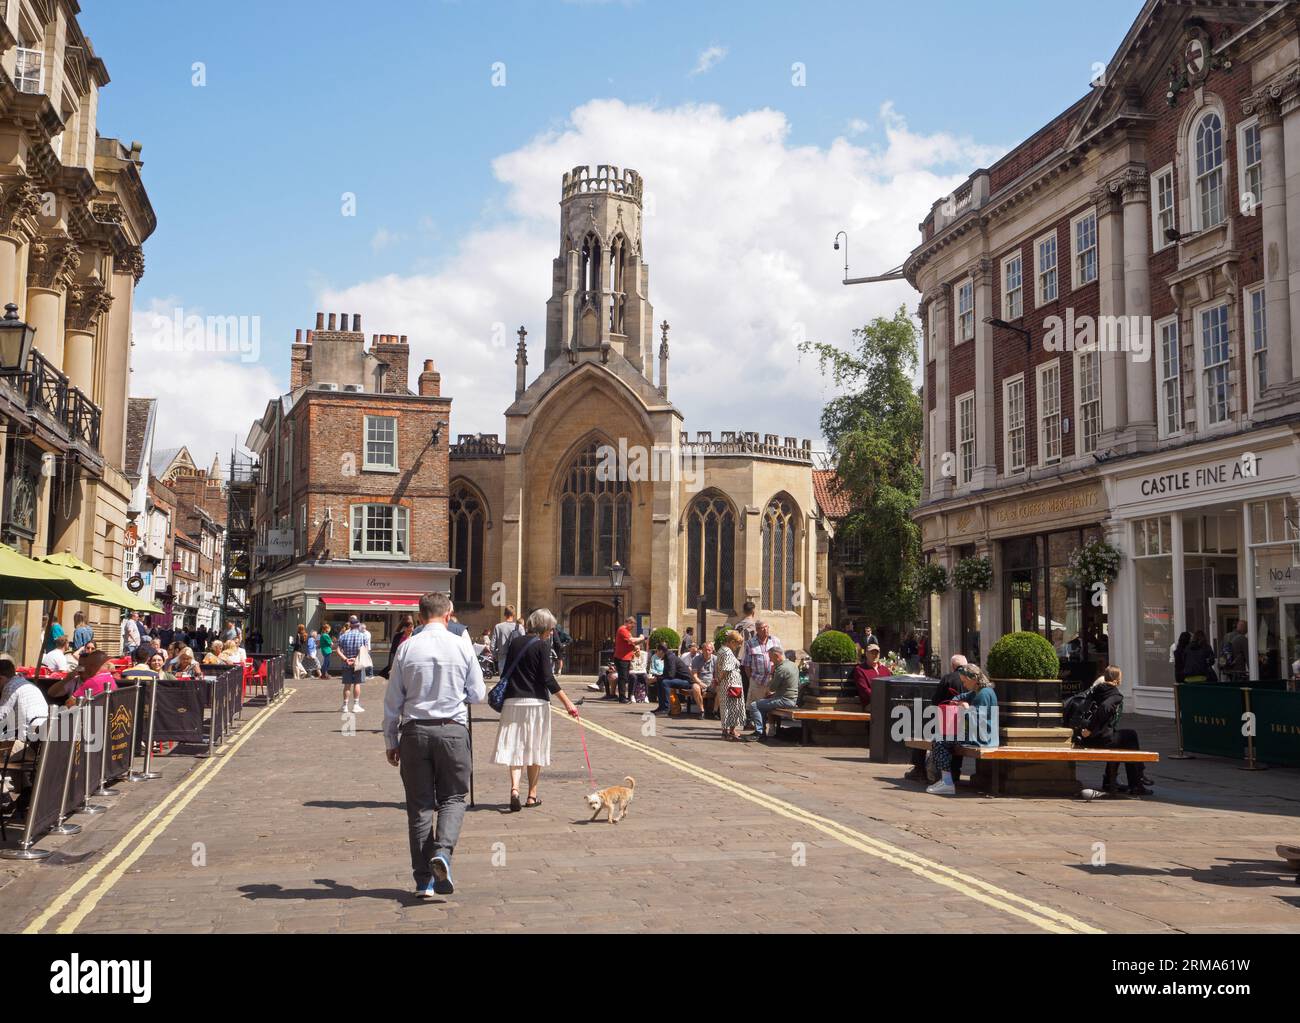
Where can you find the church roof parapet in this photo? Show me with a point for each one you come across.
(478, 445)
(740, 442)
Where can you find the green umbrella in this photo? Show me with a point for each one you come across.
(100, 589)
(22, 578)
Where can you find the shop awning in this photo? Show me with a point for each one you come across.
(100, 588)
(22, 578)
(369, 602)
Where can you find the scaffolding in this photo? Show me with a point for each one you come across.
(240, 534)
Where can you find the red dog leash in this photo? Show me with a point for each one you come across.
(583, 733)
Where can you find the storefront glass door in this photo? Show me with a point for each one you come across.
(1290, 637)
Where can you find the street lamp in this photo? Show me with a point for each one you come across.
(1004, 325)
(16, 339)
(616, 574)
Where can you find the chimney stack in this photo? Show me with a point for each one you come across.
(430, 381)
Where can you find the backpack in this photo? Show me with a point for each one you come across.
(1074, 713)
(497, 698)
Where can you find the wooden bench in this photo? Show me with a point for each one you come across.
(996, 756)
(1291, 854)
(805, 718)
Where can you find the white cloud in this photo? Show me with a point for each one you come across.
(857, 126)
(709, 59)
(738, 235)
(383, 239)
(206, 372)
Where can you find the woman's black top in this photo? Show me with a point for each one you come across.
(532, 677)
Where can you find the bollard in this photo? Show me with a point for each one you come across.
(1251, 764)
(148, 774)
(1178, 724)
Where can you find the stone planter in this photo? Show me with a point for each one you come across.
(832, 687)
(1029, 714)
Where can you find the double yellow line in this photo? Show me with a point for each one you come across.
(161, 816)
(1043, 917)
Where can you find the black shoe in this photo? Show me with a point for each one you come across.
(1139, 790)
(916, 774)
(515, 805)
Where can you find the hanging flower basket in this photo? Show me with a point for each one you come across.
(974, 575)
(932, 578)
(1094, 563)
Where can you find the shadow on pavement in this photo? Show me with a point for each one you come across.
(334, 890)
(357, 804)
(1229, 874)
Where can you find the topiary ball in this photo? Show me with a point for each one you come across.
(834, 648)
(667, 636)
(1023, 655)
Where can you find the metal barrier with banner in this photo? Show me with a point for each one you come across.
(175, 714)
(1277, 727)
(123, 717)
(59, 737)
(1210, 720)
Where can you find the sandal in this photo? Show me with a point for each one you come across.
(515, 806)
(532, 802)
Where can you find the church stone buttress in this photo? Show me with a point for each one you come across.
(600, 290)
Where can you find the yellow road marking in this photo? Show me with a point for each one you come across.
(195, 781)
(981, 891)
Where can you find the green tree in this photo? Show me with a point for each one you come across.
(874, 427)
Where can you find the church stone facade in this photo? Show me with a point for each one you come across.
(538, 518)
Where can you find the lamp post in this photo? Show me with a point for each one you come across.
(16, 339)
(616, 574)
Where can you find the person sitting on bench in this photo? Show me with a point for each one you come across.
(949, 691)
(1103, 706)
(869, 668)
(981, 729)
(677, 675)
(782, 690)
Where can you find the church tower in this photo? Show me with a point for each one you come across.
(600, 289)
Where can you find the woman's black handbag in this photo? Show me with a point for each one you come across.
(497, 698)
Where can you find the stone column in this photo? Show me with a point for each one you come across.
(51, 261)
(1141, 391)
(114, 363)
(521, 364)
(942, 485)
(87, 301)
(1277, 259)
(1110, 285)
(985, 476)
(19, 201)
(1290, 113)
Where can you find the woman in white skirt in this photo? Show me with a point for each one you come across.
(524, 735)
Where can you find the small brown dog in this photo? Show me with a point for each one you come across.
(617, 798)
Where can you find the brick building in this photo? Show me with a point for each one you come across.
(1110, 317)
(351, 511)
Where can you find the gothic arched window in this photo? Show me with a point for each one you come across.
(465, 537)
(595, 516)
(711, 552)
(779, 555)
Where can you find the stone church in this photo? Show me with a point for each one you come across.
(538, 518)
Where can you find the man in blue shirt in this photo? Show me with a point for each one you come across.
(350, 644)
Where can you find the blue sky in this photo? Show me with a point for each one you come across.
(394, 102)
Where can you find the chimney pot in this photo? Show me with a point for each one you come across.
(343, 321)
(333, 323)
(297, 338)
(403, 339)
(356, 323)
(311, 336)
(320, 321)
(428, 365)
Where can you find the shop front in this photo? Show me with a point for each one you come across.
(1028, 539)
(1212, 539)
(316, 595)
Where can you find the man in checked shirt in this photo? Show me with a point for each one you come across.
(756, 658)
(350, 643)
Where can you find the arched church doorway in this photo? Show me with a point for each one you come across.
(592, 627)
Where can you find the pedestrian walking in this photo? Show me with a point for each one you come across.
(524, 735)
(354, 648)
(326, 649)
(502, 633)
(432, 680)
